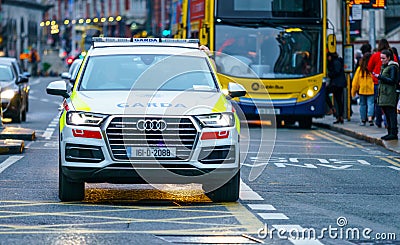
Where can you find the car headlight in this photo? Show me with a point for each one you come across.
(84, 118)
(8, 94)
(217, 120)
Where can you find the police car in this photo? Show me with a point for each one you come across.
(148, 110)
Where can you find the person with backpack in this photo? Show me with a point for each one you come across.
(387, 95)
(336, 86)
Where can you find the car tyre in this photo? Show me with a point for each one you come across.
(229, 192)
(69, 191)
(17, 118)
(23, 115)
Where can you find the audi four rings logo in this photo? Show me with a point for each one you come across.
(151, 125)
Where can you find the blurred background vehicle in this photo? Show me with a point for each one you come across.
(14, 85)
(70, 75)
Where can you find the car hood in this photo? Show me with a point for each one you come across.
(150, 102)
(7, 85)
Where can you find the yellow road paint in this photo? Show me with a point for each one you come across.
(394, 161)
(196, 231)
(245, 217)
(331, 139)
(337, 140)
(206, 222)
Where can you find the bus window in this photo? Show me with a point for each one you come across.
(267, 52)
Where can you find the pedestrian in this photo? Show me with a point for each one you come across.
(374, 65)
(364, 49)
(34, 59)
(363, 85)
(395, 53)
(336, 85)
(387, 96)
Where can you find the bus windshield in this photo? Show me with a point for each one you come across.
(269, 9)
(268, 52)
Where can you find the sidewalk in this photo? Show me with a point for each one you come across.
(352, 128)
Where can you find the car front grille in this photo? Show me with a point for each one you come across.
(128, 134)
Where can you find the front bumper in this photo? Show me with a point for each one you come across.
(131, 175)
(95, 160)
(10, 108)
(315, 107)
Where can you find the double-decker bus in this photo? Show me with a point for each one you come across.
(84, 34)
(274, 48)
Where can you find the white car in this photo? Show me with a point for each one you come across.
(148, 111)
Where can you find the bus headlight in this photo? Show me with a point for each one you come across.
(310, 93)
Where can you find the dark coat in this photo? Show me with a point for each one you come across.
(336, 73)
(388, 78)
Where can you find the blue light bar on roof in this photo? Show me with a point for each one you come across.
(111, 39)
(143, 40)
(172, 40)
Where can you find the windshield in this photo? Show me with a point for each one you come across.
(268, 52)
(148, 72)
(5, 73)
(270, 9)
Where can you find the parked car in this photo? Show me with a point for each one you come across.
(14, 83)
(71, 74)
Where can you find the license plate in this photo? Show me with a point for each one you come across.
(151, 152)
(269, 111)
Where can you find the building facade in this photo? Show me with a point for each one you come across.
(385, 23)
(19, 26)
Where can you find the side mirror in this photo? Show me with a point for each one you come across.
(236, 90)
(65, 75)
(58, 88)
(22, 79)
(26, 74)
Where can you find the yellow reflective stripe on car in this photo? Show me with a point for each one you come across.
(63, 120)
(79, 104)
(237, 122)
(221, 104)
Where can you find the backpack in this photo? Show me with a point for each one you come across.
(398, 81)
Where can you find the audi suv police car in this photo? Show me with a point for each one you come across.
(148, 110)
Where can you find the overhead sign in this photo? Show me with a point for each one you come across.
(378, 4)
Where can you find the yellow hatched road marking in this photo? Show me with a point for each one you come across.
(336, 139)
(332, 139)
(248, 222)
(393, 160)
(245, 217)
(196, 231)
